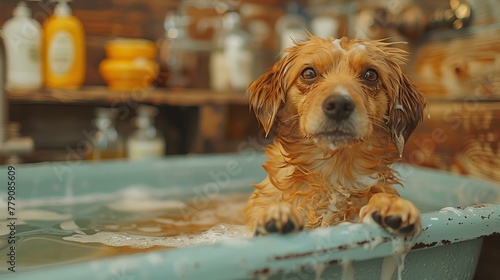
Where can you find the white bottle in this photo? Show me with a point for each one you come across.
(231, 61)
(145, 142)
(325, 27)
(291, 27)
(23, 44)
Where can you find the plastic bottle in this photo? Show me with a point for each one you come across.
(64, 44)
(145, 142)
(231, 61)
(23, 41)
(325, 27)
(106, 142)
(292, 26)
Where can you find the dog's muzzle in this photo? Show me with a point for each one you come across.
(338, 108)
(340, 129)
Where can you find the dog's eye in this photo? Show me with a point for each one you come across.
(371, 76)
(308, 74)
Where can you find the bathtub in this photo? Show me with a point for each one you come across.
(458, 213)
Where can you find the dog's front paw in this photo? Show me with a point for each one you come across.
(395, 214)
(280, 217)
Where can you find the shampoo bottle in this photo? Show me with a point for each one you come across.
(23, 42)
(145, 142)
(64, 44)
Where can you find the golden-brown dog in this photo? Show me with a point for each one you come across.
(343, 110)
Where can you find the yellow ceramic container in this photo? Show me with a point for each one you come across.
(127, 74)
(130, 49)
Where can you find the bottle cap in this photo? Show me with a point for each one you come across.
(63, 8)
(22, 10)
(105, 117)
(230, 20)
(109, 113)
(145, 116)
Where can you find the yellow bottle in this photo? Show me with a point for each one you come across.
(64, 45)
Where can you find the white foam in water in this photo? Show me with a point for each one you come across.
(218, 233)
(147, 215)
(70, 226)
(36, 215)
(41, 215)
(131, 192)
(131, 205)
(141, 199)
(33, 214)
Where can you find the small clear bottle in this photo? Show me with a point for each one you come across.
(177, 58)
(107, 143)
(231, 61)
(145, 142)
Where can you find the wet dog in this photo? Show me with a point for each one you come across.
(343, 110)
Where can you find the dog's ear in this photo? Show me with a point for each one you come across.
(406, 110)
(406, 102)
(267, 93)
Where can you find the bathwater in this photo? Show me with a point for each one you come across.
(133, 220)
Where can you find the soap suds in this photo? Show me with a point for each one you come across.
(131, 205)
(368, 180)
(336, 43)
(41, 215)
(400, 143)
(71, 226)
(218, 233)
(359, 47)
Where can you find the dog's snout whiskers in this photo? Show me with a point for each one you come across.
(338, 107)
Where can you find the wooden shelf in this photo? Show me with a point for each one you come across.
(101, 95)
(212, 106)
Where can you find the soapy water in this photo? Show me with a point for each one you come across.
(217, 233)
(136, 219)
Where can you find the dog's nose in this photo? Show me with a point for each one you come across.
(338, 107)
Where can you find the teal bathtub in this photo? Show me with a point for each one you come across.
(458, 213)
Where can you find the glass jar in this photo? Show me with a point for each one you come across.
(106, 142)
(145, 142)
(231, 61)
